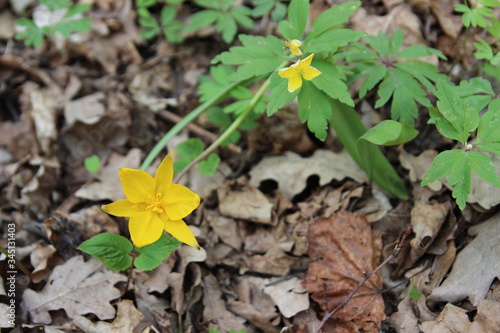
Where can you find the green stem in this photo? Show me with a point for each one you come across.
(234, 126)
(184, 122)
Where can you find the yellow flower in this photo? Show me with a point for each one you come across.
(155, 204)
(294, 45)
(295, 73)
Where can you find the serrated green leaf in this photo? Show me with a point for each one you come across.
(441, 165)
(443, 125)
(242, 15)
(349, 128)
(484, 50)
(258, 56)
(279, 12)
(201, 19)
(32, 35)
(332, 40)
(451, 107)
(494, 29)
(488, 131)
(484, 167)
(330, 83)
(389, 133)
(68, 27)
(92, 163)
(424, 73)
(152, 255)
(227, 26)
(333, 17)
(167, 15)
(396, 43)
(208, 166)
(374, 74)
(490, 3)
(261, 7)
(146, 3)
(54, 5)
(111, 249)
(315, 109)
(77, 9)
(474, 86)
(298, 12)
(414, 51)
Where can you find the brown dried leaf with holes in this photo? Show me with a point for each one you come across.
(345, 248)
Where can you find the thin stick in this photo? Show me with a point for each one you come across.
(394, 254)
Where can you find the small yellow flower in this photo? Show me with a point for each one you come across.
(155, 204)
(294, 45)
(295, 73)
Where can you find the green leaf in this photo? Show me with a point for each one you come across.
(441, 165)
(152, 255)
(452, 109)
(258, 56)
(418, 51)
(279, 95)
(113, 250)
(242, 15)
(298, 12)
(68, 26)
(414, 293)
(92, 163)
(201, 19)
(424, 73)
(146, 3)
(333, 17)
(77, 9)
(32, 35)
(484, 167)
(54, 5)
(330, 83)
(349, 128)
(374, 74)
(208, 166)
(484, 50)
(443, 125)
(488, 132)
(279, 12)
(332, 40)
(187, 151)
(314, 107)
(389, 133)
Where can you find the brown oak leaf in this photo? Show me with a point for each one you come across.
(344, 249)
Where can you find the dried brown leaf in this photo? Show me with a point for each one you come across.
(344, 249)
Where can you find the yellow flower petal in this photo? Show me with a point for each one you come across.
(138, 185)
(123, 208)
(294, 83)
(288, 72)
(181, 231)
(179, 202)
(145, 228)
(306, 62)
(165, 173)
(310, 73)
(294, 45)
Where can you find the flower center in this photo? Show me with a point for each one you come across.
(155, 204)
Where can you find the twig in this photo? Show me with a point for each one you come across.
(394, 254)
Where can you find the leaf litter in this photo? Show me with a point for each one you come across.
(271, 258)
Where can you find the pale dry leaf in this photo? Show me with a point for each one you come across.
(78, 287)
(455, 319)
(88, 109)
(225, 228)
(215, 311)
(152, 307)
(44, 114)
(290, 296)
(127, 318)
(344, 248)
(6, 25)
(109, 185)
(247, 203)
(418, 166)
(262, 320)
(475, 268)
(405, 320)
(291, 171)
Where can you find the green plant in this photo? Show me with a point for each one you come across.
(275, 8)
(457, 114)
(67, 19)
(224, 14)
(399, 76)
(167, 23)
(92, 163)
(213, 330)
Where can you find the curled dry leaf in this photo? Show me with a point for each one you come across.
(291, 171)
(88, 109)
(475, 268)
(345, 248)
(78, 287)
(127, 318)
(455, 319)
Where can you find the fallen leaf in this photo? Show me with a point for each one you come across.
(290, 296)
(88, 109)
(418, 166)
(247, 203)
(109, 185)
(455, 319)
(127, 318)
(291, 171)
(483, 193)
(475, 268)
(215, 311)
(344, 248)
(78, 287)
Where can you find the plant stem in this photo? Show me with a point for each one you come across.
(234, 126)
(184, 122)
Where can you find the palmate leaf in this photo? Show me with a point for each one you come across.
(298, 12)
(488, 132)
(279, 95)
(330, 82)
(258, 56)
(333, 17)
(315, 109)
